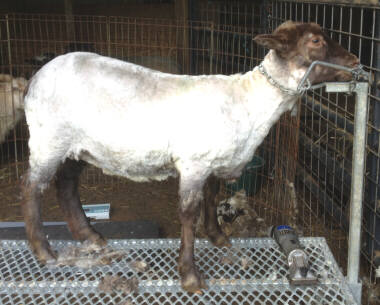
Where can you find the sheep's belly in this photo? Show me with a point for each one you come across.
(136, 169)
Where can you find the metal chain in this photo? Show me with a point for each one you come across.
(277, 85)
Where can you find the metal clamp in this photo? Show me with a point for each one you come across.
(357, 74)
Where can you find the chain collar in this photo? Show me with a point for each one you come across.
(273, 82)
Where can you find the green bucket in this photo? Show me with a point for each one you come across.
(250, 180)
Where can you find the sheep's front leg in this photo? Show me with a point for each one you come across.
(190, 196)
(211, 225)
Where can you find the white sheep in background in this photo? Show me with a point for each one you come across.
(11, 107)
(147, 125)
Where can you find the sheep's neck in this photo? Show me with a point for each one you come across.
(273, 82)
(268, 97)
(265, 103)
(285, 73)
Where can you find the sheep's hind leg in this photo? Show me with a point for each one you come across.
(190, 197)
(31, 208)
(67, 180)
(211, 225)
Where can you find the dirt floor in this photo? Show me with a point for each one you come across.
(155, 201)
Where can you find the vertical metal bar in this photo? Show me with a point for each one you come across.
(211, 46)
(194, 11)
(361, 33)
(324, 16)
(373, 141)
(13, 106)
(274, 14)
(316, 13)
(350, 31)
(340, 24)
(69, 20)
(108, 29)
(332, 23)
(286, 11)
(357, 183)
(263, 22)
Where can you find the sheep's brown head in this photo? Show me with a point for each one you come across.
(302, 43)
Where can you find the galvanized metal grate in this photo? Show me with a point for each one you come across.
(253, 271)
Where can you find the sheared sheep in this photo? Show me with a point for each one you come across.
(147, 125)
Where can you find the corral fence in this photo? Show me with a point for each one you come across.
(306, 176)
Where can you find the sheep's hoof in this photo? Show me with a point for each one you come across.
(97, 240)
(45, 254)
(192, 282)
(219, 240)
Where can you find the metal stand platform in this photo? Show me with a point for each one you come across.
(252, 271)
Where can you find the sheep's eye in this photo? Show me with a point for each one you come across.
(316, 40)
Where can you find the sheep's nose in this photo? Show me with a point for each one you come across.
(354, 61)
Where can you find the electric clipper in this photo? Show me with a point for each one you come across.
(299, 271)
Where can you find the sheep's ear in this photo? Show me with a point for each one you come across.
(270, 41)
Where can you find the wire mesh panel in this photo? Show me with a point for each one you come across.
(253, 271)
(326, 129)
(315, 152)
